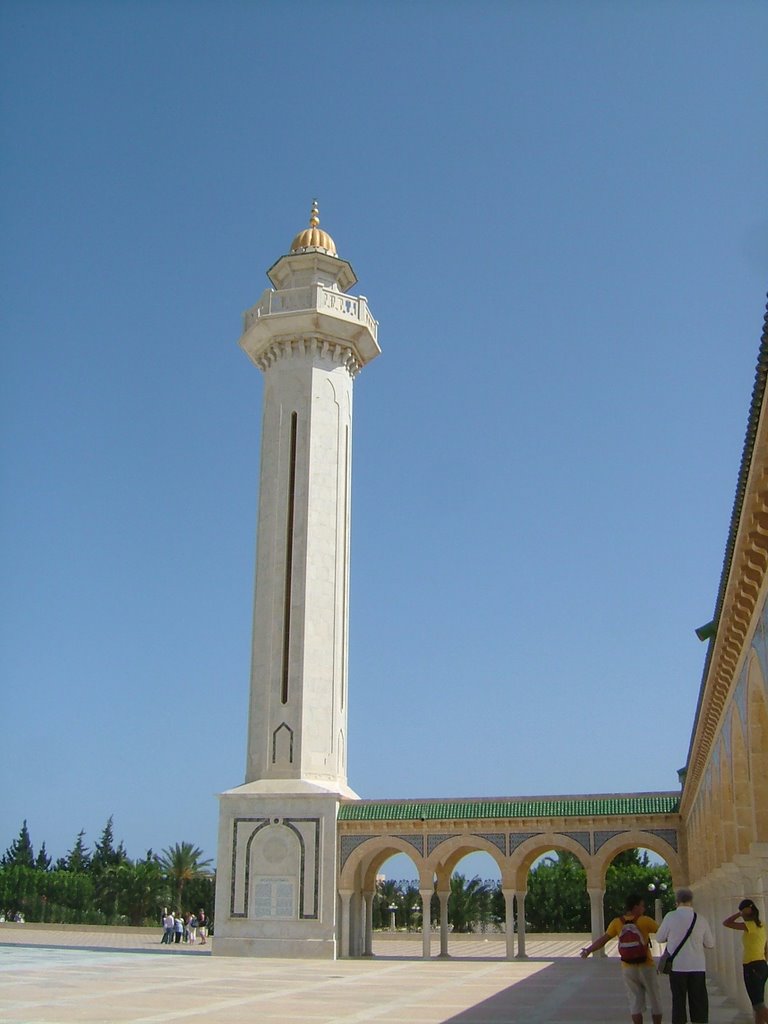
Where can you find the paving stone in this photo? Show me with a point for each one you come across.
(49, 977)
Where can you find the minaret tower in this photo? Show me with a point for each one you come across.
(276, 878)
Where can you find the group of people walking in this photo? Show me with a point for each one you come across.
(687, 935)
(179, 928)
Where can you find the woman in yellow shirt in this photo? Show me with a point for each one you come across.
(754, 957)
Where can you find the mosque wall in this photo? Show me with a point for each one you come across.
(724, 805)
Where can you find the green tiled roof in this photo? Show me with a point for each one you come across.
(543, 807)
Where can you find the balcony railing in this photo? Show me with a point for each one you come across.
(312, 297)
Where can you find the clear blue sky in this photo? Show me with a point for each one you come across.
(557, 211)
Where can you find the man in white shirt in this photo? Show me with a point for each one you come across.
(687, 981)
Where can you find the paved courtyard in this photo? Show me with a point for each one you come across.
(57, 977)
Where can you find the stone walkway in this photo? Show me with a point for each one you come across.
(117, 977)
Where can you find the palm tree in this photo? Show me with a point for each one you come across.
(181, 863)
(468, 903)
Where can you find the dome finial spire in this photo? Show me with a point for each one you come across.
(313, 238)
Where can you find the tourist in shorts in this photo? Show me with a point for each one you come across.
(638, 971)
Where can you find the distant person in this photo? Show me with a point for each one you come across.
(202, 927)
(755, 954)
(193, 929)
(687, 934)
(178, 928)
(638, 971)
(169, 924)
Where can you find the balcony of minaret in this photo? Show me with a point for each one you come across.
(314, 309)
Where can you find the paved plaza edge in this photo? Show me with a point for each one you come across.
(124, 976)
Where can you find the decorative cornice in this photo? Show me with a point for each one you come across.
(318, 346)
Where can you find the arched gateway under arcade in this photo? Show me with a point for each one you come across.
(436, 834)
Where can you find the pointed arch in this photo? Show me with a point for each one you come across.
(444, 857)
(523, 857)
(634, 839)
(282, 745)
(361, 866)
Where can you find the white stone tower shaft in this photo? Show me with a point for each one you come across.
(309, 338)
(277, 861)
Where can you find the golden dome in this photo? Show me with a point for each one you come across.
(312, 238)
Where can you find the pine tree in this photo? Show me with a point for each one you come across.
(43, 861)
(104, 853)
(20, 852)
(79, 859)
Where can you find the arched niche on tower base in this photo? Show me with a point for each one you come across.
(636, 839)
(521, 861)
(274, 879)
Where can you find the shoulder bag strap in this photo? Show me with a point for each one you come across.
(687, 936)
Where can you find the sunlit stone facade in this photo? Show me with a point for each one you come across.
(724, 806)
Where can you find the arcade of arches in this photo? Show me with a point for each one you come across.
(713, 834)
(437, 835)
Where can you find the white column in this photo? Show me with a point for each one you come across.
(426, 923)
(521, 954)
(442, 895)
(596, 912)
(368, 927)
(344, 936)
(509, 927)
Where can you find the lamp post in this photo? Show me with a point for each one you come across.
(392, 911)
(657, 890)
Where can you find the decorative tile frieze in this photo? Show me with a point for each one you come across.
(601, 838)
(416, 841)
(582, 838)
(349, 844)
(434, 841)
(518, 838)
(498, 839)
(669, 835)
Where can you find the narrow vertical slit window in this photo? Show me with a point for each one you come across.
(289, 559)
(345, 573)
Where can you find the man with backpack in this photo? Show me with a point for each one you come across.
(638, 971)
